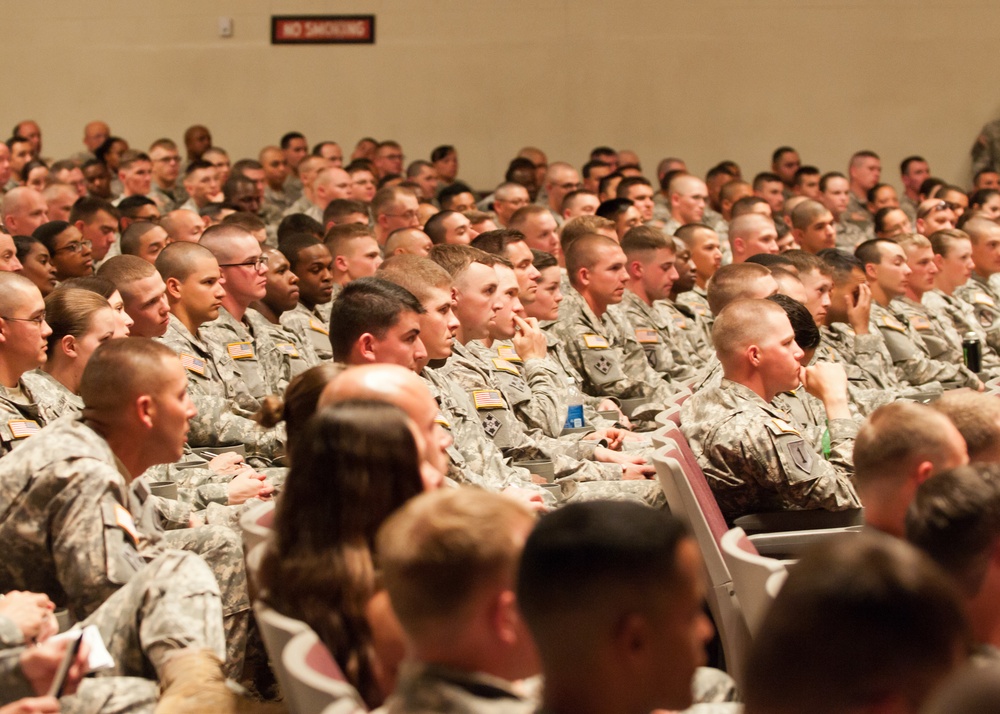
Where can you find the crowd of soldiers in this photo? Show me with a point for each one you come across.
(831, 343)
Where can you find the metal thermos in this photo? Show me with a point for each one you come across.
(972, 351)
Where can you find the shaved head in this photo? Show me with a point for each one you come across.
(224, 239)
(119, 371)
(743, 323)
(179, 260)
(13, 289)
(584, 252)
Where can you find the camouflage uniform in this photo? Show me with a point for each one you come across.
(260, 363)
(72, 537)
(51, 397)
(908, 206)
(985, 301)
(19, 416)
(297, 356)
(220, 394)
(910, 355)
(696, 300)
(962, 318)
(654, 329)
(986, 149)
(279, 200)
(309, 328)
(304, 205)
(849, 236)
(938, 333)
(857, 214)
(865, 357)
(755, 461)
(567, 373)
(695, 323)
(434, 688)
(166, 201)
(606, 354)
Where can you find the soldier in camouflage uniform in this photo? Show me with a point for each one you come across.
(224, 403)
(68, 487)
(986, 149)
(888, 275)
(753, 458)
(980, 292)
(310, 260)
(598, 340)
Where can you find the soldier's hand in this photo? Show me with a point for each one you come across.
(607, 405)
(40, 665)
(227, 463)
(827, 381)
(614, 437)
(638, 472)
(529, 340)
(32, 705)
(859, 309)
(533, 500)
(247, 484)
(32, 613)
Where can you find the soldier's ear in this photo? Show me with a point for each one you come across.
(145, 410)
(753, 355)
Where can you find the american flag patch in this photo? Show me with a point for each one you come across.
(318, 327)
(288, 348)
(595, 342)
(240, 350)
(192, 363)
(508, 353)
(23, 428)
(487, 399)
(442, 421)
(646, 335)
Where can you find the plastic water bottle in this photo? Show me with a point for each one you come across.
(574, 416)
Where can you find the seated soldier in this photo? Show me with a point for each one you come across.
(706, 256)
(753, 458)
(900, 446)
(612, 593)
(888, 276)
(311, 262)
(448, 561)
(69, 486)
(281, 296)
(355, 255)
(955, 519)
(864, 624)
(977, 418)
(143, 239)
(980, 290)
(143, 293)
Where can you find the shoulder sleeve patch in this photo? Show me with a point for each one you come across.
(508, 353)
(892, 323)
(981, 298)
(920, 322)
(647, 336)
(780, 426)
(595, 342)
(287, 348)
(240, 350)
(318, 326)
(487, 399)
(504, 366)
(193, 364)
(23, 428)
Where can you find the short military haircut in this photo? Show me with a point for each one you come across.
(457, 258)
(773, 261)
(299, 223)
(245, 220)
(197, 165)
(367, 305)
(806, 213)
(294, 244)
(802, 172)
(520, 216)
(435, 228)
(779, 152)
(857, 620)
(904, 166)
(340, 208)
(689, 232)
(977, 417)
(909, 241)
(942, 240)
(87, 207)
(806, 332)
(440, 549)
(745, 206)
(979, 229)
(841, 264)
(496, 242)
(570, 198)
(586, 565)
(825, 179)
(806, 262)
(765, 177)
(581, 226)
(741, 323)
(614, 207)
(48, 232)
(628, 182)
(644, 239)
(338, 237)
(132, 156)
(542, 260)
(589, 167)
(124, 270)
(129, 207)
(291, 136)
(386, 198)
(605, 183)
(583, 252)
(864, 154)
(731, 188)
(870, 252)
(178, 260)
(119, 371)
(955, 518)
(415, 273)
(416, 167)
(243, 164)
(446, 196)
(732, 282)
(131, 240)
(12, 289)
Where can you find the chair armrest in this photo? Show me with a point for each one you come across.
(813, 519)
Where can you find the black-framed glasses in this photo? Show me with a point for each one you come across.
(38, 319)
(76, 246)
(408, 215)
(254, 263)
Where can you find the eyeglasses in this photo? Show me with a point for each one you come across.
(571, 186)
(38, 319)
(939, 206)
(254, 263)
(409, 215)
(76, 246)
(168, 160)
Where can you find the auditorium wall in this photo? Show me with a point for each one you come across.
(700, 79)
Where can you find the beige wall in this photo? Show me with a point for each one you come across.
(702, 79)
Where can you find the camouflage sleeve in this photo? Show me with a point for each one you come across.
(13, 684)
(871, 356)
(546, 409)
(984, 150)
(917, 368)
(216, 425)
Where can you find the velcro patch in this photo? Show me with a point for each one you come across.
(595, 342)
(193, 364)
(893, 324)
(287, 348)
(780, 426)
(680, 322)
(240, 350)
(508, 353)
(124, 520)
(920, 323)
(487, 399)
(23, 428)
(981, 298)
(699, 309)
(318, 327)
(439, 419)
(492, 425)
(504, 366)
(603, 365)
(647, 336)
(801, 455)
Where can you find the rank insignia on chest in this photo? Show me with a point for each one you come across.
(603, 365)
(287, 348)
(193, 364)
(920, 323)
(23, 428)
(487, 399)
(504, 366)
(780, 426)
(647, 336)
(595, 342)
(893, 324)
(240, 350)
(318, 326)
(508, 353)
(491, 425)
